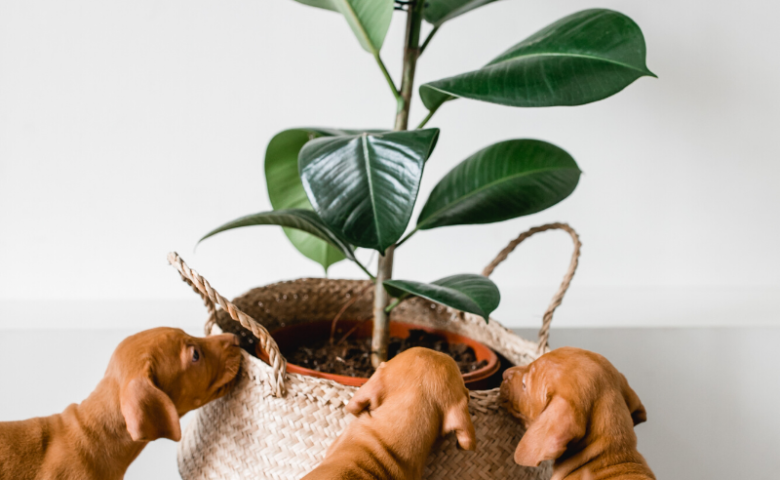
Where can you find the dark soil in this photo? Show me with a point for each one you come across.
(351, 357)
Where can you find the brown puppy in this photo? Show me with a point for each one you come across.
(153, 378)
(578, 411)
(406, 405)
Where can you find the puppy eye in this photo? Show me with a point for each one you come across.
(195, 355)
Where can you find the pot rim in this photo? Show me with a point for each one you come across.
(482, 351)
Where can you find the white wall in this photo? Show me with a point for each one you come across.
(129, 129)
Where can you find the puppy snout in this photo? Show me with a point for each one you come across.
(229, 340)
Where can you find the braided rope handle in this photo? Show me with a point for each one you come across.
(212, 298)
(544, 332)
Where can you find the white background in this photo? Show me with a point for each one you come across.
(129, 129)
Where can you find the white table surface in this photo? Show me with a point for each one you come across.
(711, 394)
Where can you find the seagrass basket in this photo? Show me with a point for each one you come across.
(278, 425)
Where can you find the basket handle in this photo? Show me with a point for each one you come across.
(544, 332)
(211, 298)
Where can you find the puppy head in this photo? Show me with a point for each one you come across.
(554, 399)
(420, 376)
(164, 373)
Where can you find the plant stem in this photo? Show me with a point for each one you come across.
(363, 267)
(389, 79)
(406, 237)
(427, 117)
(393, 305)
(381, 334)
(411, 53)
(428, 39)
(432, 112)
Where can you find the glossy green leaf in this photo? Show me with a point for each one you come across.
(285, 189)
(368, 19)
(437, 12)
(304, 220)
(505, 180)
(466, 292)
(364, 186)
(579, 59)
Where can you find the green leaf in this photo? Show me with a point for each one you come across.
(285, 189)
(467, 292)
(579, 59)
(368, 19)
(364, 186)
(304, 220)
(505, 180)
(437, 12)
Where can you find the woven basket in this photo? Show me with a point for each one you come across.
(275, 425)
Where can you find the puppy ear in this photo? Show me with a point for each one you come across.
(638, 412)
(369, 396)
(458, 419)
(547, 438)
(149, 413)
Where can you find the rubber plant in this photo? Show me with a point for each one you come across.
(336, 190)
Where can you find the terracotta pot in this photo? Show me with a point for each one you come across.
(307, 333)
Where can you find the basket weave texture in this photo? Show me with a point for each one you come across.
(278, 426)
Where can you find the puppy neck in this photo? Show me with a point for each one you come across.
(610, 445)
(404, 428)
(102, 432)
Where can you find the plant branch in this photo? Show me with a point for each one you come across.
(380, 337)
(344, 308)
(428, 39)
(406, 238)
(432, 112)
(352, 330)
(363, 267)
(381, 334)
(396, 302)
(411, 53)
(389, 79)
(427, 117)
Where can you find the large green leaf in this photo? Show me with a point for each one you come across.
(437, 12)
(505, 180)
(368, 19)
(304, 220)
(579, 59)
(364, 186)
(285, 189)
(467, 292)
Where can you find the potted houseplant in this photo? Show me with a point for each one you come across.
(336, 190)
